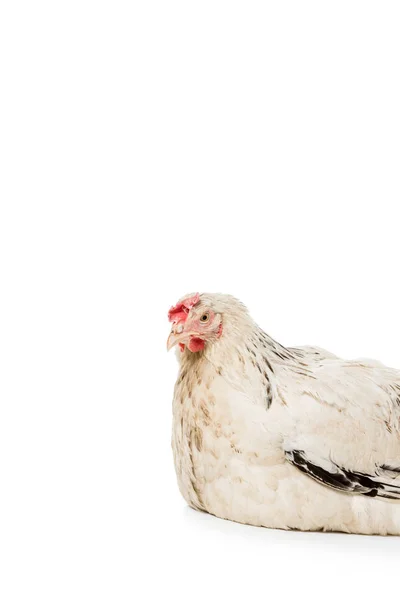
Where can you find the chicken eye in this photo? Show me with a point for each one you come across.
(204, 318)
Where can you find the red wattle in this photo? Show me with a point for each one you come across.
(196, 344)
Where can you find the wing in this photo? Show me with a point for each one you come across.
(344, 427)
(381, 483)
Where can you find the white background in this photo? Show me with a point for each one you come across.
(150, 149)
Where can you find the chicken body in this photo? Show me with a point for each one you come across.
(290, 438)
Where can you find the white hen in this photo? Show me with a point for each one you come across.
(281, 437)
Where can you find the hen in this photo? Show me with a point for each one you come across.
(291, 438)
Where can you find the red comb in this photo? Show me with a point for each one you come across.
(180, 311)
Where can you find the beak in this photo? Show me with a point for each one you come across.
(179, 335)
(177, 338)
(172, 340)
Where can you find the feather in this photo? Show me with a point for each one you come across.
(347, 481)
